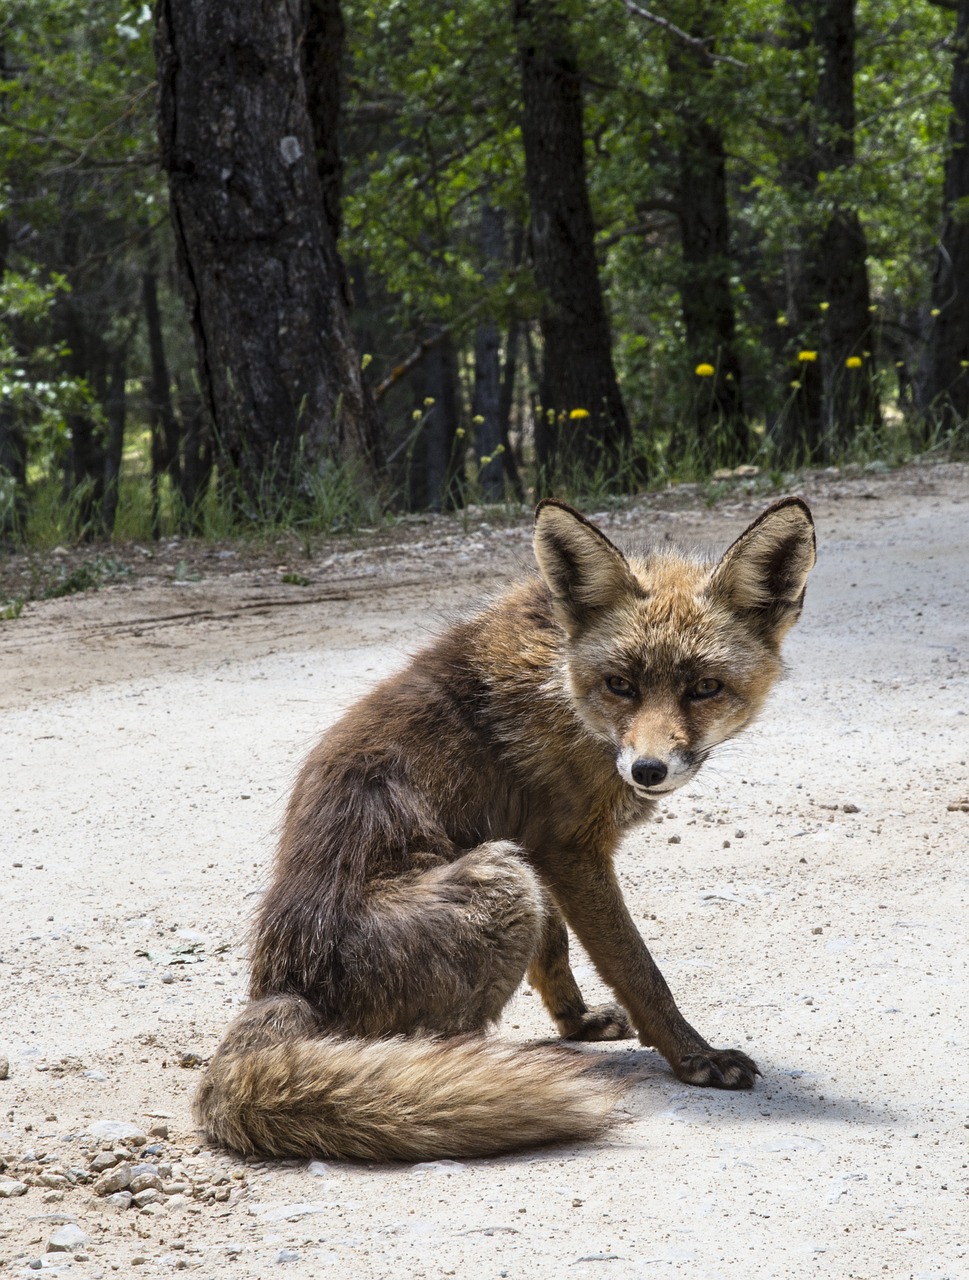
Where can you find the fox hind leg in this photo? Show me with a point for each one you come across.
(443, 951)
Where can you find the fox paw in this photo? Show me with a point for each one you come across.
(717, 1068)
(604, 1022)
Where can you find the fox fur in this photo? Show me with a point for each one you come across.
(443, 834)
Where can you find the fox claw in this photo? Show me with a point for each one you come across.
(717, 1069)
(604, 1022)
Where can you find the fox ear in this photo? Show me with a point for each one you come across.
(763, 574)
(582, 569)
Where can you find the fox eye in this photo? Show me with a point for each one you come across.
(616, 684)
(706, 688)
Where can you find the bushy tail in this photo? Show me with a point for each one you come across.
(399, 1099)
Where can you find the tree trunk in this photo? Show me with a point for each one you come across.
(277, 364)
(159, 386)
(578, 377)
(440, 459)
(706, 300)
(830, 292)
(944, 382)
(115, 409)
(486, 406)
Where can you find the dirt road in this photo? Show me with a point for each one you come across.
(807, 901)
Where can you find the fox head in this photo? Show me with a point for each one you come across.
(667, 656)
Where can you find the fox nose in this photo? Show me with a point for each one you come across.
(648, 772)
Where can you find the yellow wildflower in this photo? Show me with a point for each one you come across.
(853, 362)
(824, 305)
(796, 385)
(935, 312)
(579, 413)
(782, 319)
(807, 357)
(704, 371)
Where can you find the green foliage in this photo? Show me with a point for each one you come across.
(432, 133)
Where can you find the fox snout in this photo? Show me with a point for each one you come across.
(656, 773)
(647, 771)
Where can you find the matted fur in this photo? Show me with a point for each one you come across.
(444, 832)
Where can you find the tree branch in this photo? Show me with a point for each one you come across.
(698, 46)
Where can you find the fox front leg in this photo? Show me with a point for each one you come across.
(551, 976)
(593, 904)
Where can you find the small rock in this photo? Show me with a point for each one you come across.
(143, 1177)
(318, 1169)
(150, 1195)
(9, 1188)
(117, 1130)
(56, 1180)
(850, 808)
(287, 1255)
(158, 1131)
(4, 1068)
(52, 1197)
(35, 1264)
(116, 1179)
(190, 1060)
(120, 1199)
(66, 1239)
(104, 1160)
(94, 1075)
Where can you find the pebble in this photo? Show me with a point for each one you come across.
(143, 1177)
(104, 1160)
(117, 1130)
(4, 1067)
(158, 1131)
(116, 1179)
(287, 1255)
(9, 1188)
(150, 1195)
(66, 1239)
(120, 1199)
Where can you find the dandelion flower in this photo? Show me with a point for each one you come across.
(935, 312)
(705, 371)
(853, 362)
(578, 413)
(824, 305)
(365, 360)
(807, 357)
(796, 385)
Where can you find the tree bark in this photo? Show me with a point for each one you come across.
(943, 388)
(831, 296)
(486, 405)
(578, 376)
(706, 299)
(277, 365)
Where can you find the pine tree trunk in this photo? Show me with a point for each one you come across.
(831, 296)
(944, 382)
(486, 406)
(706, 300)
(277, 365)
(584, 429)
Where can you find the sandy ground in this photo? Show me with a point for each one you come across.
(807, 902)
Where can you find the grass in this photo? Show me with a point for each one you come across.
(331, 501)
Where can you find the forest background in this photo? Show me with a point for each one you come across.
(310, 264)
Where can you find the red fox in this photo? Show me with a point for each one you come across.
(443, 834)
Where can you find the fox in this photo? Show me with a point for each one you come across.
(446, 834)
